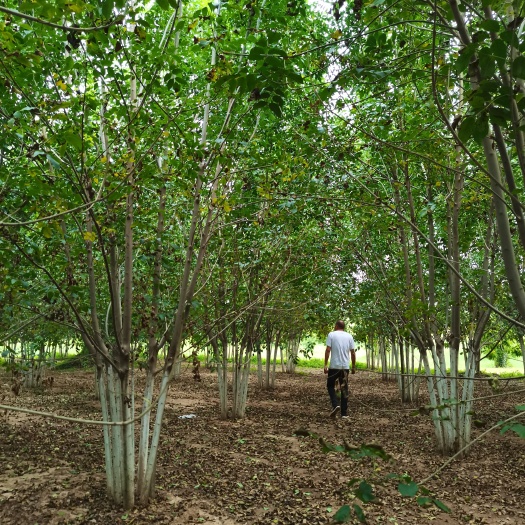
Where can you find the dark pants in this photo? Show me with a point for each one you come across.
(341, 376)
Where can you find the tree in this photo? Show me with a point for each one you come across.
(117, 162)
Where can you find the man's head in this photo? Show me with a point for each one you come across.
(339, 325)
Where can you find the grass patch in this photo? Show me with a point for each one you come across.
(314, 362)
(461, 373)
(503, 375)
(71, 362)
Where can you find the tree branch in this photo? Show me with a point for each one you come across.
(18, 14)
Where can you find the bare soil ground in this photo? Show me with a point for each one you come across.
(256, 471)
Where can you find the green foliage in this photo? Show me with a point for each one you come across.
(359, 513)
(313, 362)
(313, 157)
(307, 348)
(518, 67)
(408, 490)
(345, 513)
(58, 130)
(371, 450)
(70, 362)
(517, 428)
(364, 490)
(500, 357)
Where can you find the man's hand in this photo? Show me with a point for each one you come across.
(353, 370)
(326, 370)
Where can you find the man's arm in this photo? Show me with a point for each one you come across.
(352, 356)
(326, 358)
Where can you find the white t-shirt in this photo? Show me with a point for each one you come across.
(341, 343)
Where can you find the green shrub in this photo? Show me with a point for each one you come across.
(501, 357)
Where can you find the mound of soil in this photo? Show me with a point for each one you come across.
(259, 470)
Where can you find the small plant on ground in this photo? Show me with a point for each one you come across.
(363, 490)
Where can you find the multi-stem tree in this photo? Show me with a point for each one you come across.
(123, 124)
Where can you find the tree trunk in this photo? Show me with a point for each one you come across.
(522, 348)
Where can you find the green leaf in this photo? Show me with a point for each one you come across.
(424, 501)
(251, 82)
(107, 8)
(487, 63)
(222, 80)
(441, 505)
(293, 76)
(68, 65)
(53, 161)
(373, 450)
(365, 492)
(262, 42)
(273, 37)
(518, 67)
(510, 37)
(46, 232)
(499, 116)
(274, 62)
(481, 129)
(342, 515)
(393, 475)
(464, 57)
(74, 139)
(490, 25)
(503, 101)
(276, 109)
(479, 36)
(278, 51)
(326, 93)
(479, 101)
(466, 128)
(490, 86)
(408, 490)
(257, 53)
(520, 408)
(518, 428)
(499, 50)
(164, 4)
(359, 513)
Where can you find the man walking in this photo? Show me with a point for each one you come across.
(340, 349)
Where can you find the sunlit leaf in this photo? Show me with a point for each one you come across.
(408, 490)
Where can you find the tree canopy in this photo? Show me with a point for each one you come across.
(174, 171)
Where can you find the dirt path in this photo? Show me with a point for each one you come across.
(256, 471)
